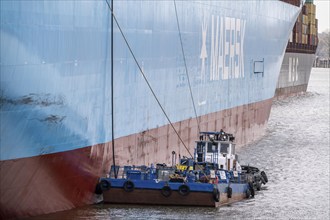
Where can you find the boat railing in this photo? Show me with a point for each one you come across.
(164, 173)
(114, 170)
(238, 178)
(133, 172)
(216, 136)
(243, 178)
(303, 48)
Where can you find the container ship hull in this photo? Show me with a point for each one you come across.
(294, 75)
(55, 88)
(300, 54)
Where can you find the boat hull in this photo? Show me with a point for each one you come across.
(160, 192)
(154, 197)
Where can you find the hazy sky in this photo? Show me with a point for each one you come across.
(322, 14)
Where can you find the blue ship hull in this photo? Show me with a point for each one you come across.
(55, 87)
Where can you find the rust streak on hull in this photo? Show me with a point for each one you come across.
(247, 122)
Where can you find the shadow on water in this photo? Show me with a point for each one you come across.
(294, 153)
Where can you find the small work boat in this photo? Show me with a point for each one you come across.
(213, 177)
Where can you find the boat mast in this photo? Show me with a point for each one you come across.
(112, 112)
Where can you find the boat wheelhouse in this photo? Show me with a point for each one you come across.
(217, 148)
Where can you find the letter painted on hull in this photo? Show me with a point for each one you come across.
(226, 52)
(293, 69)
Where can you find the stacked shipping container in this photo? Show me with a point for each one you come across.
(304, 38)
(312, 23)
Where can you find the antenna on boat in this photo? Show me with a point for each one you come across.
(112, 112)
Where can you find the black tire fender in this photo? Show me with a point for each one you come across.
(98, 190)
(247, 193)
(105, 185)
(229, 192)
(166, 191)
(216, 195)
(263, 174)
(184, 190)
(258, 186)
(251, 189)
(128, 186)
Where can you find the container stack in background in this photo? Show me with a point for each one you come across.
(300, 54)
(312, 22)
(304, 34)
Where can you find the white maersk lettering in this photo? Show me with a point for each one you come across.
(227, 42)
(293, 69)
(203, 52)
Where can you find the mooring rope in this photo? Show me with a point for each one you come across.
(185, 64)
(145, 78)
(112, 109)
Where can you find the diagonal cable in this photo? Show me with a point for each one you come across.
(185, 64)
(145, 78)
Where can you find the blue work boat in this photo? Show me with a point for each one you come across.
(212, 177)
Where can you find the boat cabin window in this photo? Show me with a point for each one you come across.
(224, 148)
(232, 148)
(212, 147)
(200, 146)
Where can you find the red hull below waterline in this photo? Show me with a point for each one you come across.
(50, 183)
